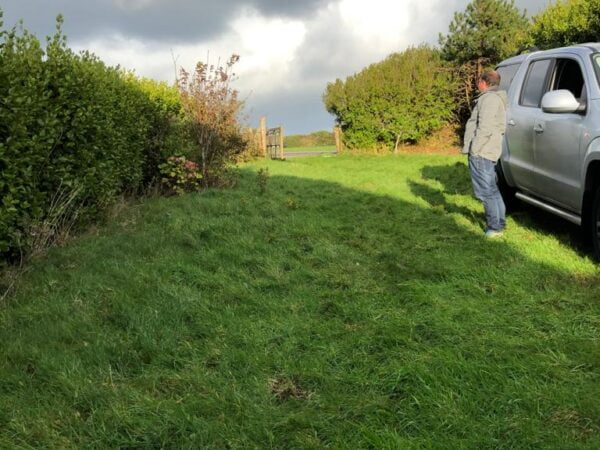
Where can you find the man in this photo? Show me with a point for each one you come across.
(483, 144)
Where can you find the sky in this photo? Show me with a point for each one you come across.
(289, 49)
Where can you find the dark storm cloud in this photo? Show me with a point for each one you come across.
(160, 20)
(288, 8)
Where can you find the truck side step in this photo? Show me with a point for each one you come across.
(551, 209)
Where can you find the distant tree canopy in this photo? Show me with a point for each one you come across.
(567, 22)
(399, 100)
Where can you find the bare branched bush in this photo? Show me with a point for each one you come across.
(213, 106)
(64, 212)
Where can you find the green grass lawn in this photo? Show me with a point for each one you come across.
(354, 305)
(318, 148)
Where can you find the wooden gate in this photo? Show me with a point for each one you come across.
(270, 140)
(275, 143)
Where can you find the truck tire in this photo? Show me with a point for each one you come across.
(594, 225)
(507, 191)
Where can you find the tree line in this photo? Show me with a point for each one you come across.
(412, 94)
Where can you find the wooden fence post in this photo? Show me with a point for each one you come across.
(337, 134)
(263, 136)
(281, 142)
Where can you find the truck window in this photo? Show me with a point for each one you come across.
(535, 83)
(567, 75)
(596, 59)
(507, 73)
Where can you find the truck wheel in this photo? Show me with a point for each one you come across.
(507, 191)
(594, 225)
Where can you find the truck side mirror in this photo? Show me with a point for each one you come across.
(560, 101)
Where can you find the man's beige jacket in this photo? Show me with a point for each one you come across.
(486, 126)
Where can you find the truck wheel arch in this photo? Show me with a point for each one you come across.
(592, 182)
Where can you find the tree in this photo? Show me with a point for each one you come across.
(487, 32)
(567, 22)
(484, 34)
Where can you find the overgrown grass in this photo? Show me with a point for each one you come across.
(355, 304)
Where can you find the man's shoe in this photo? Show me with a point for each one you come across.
(491, 234)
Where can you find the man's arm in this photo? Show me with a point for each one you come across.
(470, 131)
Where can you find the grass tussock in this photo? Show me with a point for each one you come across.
(335, 302)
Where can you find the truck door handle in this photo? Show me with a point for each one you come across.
(538, 128)
(511, 123)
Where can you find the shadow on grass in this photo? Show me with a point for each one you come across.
(384, 324)
(455, 180)
(436, 198)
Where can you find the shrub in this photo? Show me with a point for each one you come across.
(168, 130)
(212, 108)
(252, 145)
(180, 175)
(399, 100)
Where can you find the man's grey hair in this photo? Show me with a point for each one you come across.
(491, 77)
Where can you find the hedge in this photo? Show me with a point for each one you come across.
(71, 126)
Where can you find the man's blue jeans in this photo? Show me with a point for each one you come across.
(483, 177)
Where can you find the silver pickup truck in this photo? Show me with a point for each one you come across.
(551, 154)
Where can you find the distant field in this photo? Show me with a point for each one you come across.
(347, 302)
(321, 148)
(318, 138)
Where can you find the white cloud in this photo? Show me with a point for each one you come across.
(267, 48)
(266, 45)
(146, 59)
(376, 20)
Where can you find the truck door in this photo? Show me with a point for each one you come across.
(558, 140)
(521, 118)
